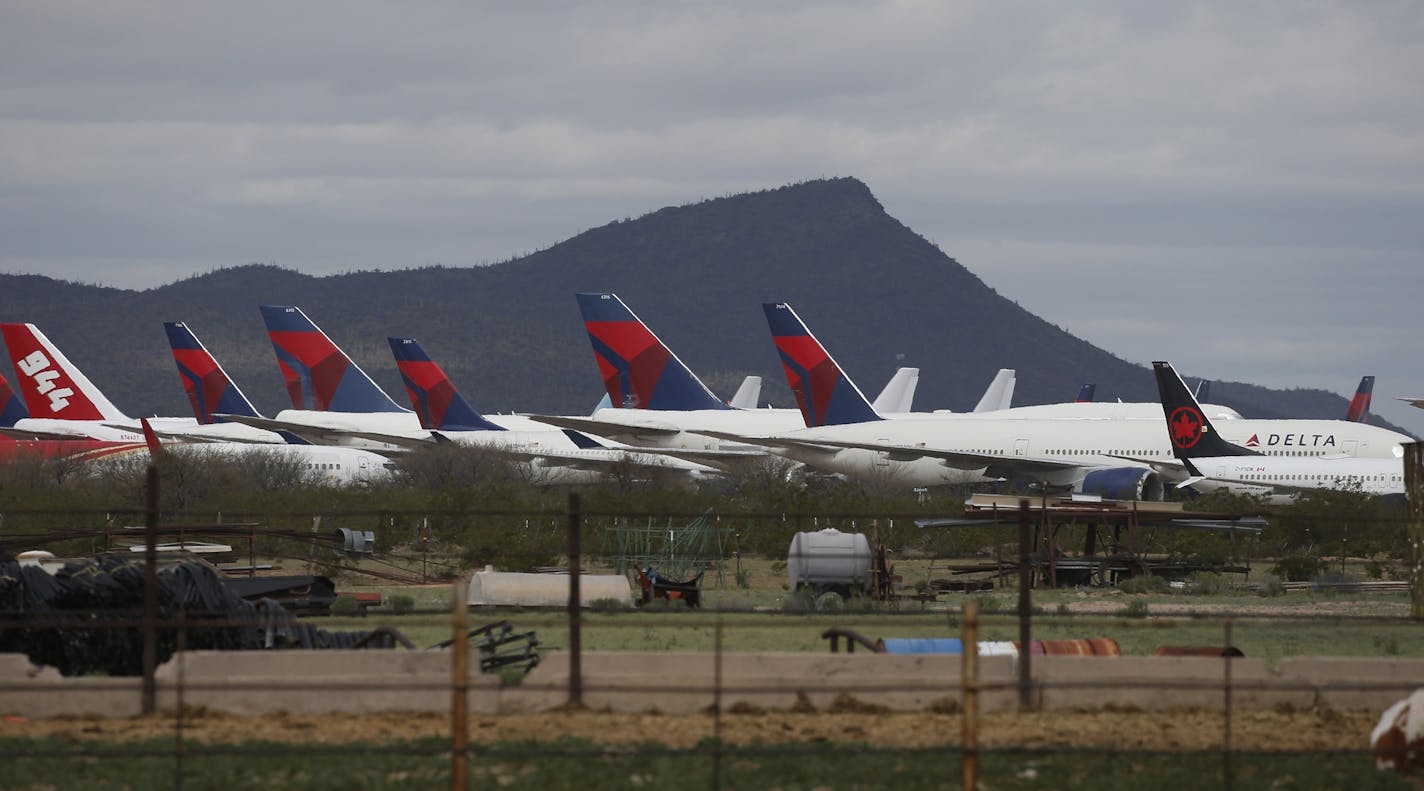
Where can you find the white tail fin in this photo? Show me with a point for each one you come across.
(999, 394)
(899, 393)
(748, 394)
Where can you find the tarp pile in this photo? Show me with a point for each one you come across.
(87, 617)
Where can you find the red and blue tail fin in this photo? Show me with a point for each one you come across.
(638, 370)
(1086, 393)
(1188, 427)
(826, 396)
(1359, 410)
(433, 396)
(209, 389)
(50, 385)
(12, 409)
(319, 375)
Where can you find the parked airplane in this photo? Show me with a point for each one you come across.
(212, 393)
(1359, 410)
(62, 402)
(1213, 459)
(333, 400)
(329, 465)
(1084, 455)
(555, 455)
(639, 369)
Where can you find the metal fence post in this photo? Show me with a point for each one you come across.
(575, 624)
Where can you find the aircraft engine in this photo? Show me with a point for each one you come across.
(1123, 483)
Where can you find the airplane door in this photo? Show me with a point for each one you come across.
(1021, 447)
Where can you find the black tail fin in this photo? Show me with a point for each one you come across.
(1190, 431)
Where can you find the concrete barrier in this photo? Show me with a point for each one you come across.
(327, 682)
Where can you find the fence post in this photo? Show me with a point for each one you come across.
(575, 624)
(1413, 490)
(150, 593)
(969, 681)
(1025, 609)
(459, 686)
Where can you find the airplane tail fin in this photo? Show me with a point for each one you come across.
(209, 389)
(824, 393)
(433, 396)
(319, 375)
(638, 370)
(1189, 429)
(12, 409)
(1086, 393)
(999, 394)
(150, 437)
(748, 394)
(50, 384)
(1359, 409)
(899, 393)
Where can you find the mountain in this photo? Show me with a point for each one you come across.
(878, 294)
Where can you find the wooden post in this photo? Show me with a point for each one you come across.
(1025, 608)
(150, 594)
(1413, 490)
(969, 681)
(459, 685)
(575, 614)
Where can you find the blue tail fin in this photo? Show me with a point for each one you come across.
(433, 396)
(1085, 395)
(209, 389)
(826, 396)
(638, 370)
(12, 409)
(318, 373)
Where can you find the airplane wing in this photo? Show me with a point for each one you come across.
(591, 461)
(321, 435)
(1419, 402)
(773, 442)
(994, 466)
(604, 428)
(15, 433)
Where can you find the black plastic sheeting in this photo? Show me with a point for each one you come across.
(86, 619)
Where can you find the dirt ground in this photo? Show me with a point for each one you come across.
(847, 722)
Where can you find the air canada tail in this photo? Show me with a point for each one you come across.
(50, 385)
(826, 396)
(433, 396)
(1359, 409)
(209, 389)
(1188, 428)
(1085, 394)
(12, 409)
(638, 370)
(319, 375)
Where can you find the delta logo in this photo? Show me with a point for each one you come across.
(1293, 441)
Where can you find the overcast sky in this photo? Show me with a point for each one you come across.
(1236, 187)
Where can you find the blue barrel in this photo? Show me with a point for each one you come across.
(922, 645)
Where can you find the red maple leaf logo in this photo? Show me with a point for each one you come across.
(1185, 427)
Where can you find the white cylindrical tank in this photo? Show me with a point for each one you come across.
(829, 558)
(490, 588)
